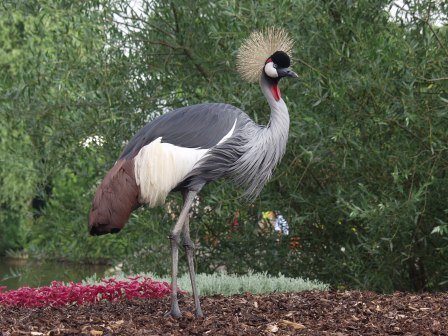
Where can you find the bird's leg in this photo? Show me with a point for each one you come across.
(175, 240)
(175, 311)
(189, 248)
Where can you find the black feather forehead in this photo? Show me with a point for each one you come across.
(281, 59)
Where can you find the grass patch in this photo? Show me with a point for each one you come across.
(229, 284)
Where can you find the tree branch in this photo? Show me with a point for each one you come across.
(187, 51)
(198, 66)
(426, 21)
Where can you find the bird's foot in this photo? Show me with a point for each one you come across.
(175, 311)
(174, 314)
(198, 313)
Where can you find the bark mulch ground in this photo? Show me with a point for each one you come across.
(306, 313)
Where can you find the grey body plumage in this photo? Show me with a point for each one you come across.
(195, 126)
(187, 148)
(250, 155)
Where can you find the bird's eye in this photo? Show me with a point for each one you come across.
(274, 65)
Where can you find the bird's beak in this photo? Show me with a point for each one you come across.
(292, 74)
(286, 72)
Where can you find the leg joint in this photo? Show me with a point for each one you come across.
(189, 245)
(174, 237)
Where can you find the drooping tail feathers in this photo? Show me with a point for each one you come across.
(115, 199)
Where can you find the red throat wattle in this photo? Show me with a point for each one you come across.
(276, 92)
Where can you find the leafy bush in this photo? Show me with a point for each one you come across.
(230, 284)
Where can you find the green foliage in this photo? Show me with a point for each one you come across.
(373, 163)
(364, 180)
(231, 284)
(59, 91)
(18, 179)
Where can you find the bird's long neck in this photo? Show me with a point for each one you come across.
(278, 126)
(262, 147)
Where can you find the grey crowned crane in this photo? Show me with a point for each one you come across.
(187, 148)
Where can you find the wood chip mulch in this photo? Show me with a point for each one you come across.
(306, 313)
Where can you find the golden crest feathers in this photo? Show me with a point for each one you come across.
(258, 47)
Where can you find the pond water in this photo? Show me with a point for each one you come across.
(15, 273)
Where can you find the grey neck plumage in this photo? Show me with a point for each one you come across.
(265, 146)
(278, 126)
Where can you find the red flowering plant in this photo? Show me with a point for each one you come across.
(59, 294)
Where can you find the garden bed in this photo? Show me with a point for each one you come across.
(305, 313)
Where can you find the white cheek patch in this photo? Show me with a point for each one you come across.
(270, 70)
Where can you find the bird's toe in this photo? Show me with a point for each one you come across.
(174, 313)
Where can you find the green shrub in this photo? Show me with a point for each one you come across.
(230, 284)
